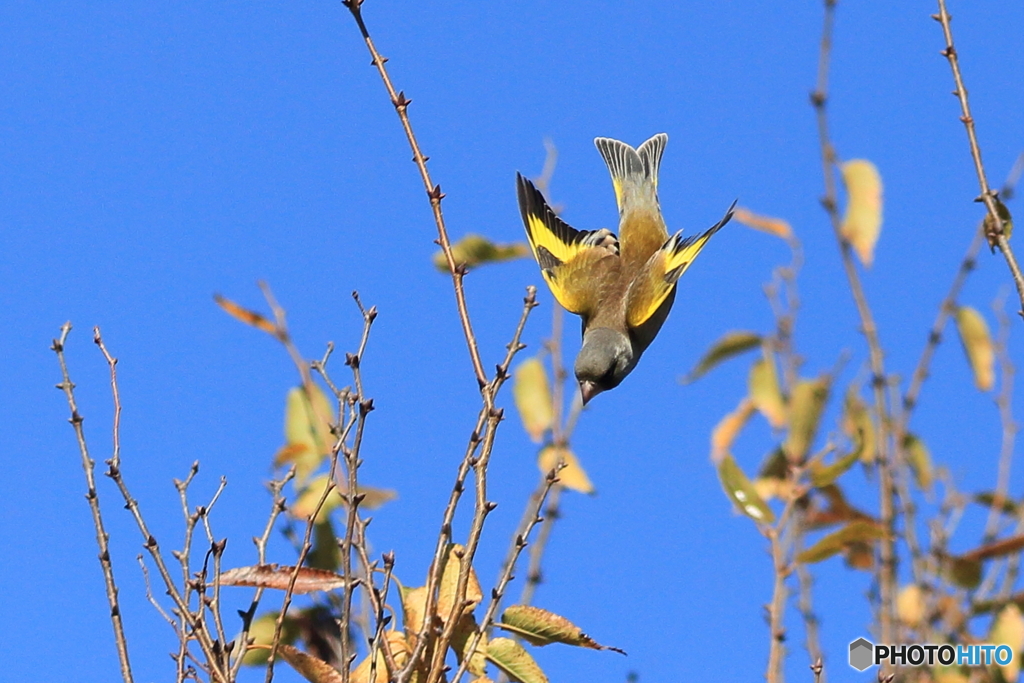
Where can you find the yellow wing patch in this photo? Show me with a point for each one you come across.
(571, 261)
(659, 276)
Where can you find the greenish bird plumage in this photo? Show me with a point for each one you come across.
(621, 286)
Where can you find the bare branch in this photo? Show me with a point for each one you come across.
(89, 466)
(988, 196)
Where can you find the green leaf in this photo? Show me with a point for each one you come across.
(989, 499)
(742, 492)
(262, 633)
(763, 388)
(476, 250)
(857, 425)
(963, 571)
(860, 531)
(540, 627)
(977, 343)
(511, 658)
(824, 475)
(728, 345)
(325, 553)
(805, 408)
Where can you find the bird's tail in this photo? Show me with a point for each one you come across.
(634, 171)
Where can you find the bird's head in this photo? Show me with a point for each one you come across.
(603, 362)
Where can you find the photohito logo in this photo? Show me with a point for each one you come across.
(864, 653)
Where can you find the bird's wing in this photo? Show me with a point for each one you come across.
(573, 262)
(663, 270)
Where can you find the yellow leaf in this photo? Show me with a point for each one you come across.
(312, 668)
(805, 408)
(920, 460)
(772, 226)
(463, 637)
(532, 395)
(572, 476)
(910, 605)
(475, 250)
(307, 501)
(1008, 629)
(728, 345)
(307, 431)
(518, 665)
(728, 428)
(977, 342)
(742, 492)
(449, 585)
(414, 605)
(763, 389)
(399, 650)
(863, 221)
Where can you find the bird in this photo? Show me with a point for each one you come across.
(622, 286)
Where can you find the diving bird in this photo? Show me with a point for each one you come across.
(622, 287)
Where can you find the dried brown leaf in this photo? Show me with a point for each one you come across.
(247, 316)
(772, 226)
(277, 577)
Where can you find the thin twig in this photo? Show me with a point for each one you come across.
(360, 406)
(782, 566)
(89, 466)
(550, 481)
(829, 159)
(195, 627)
(988, 196)
(1004, 401)
(482, 507)
(401, 104)
(276, 508)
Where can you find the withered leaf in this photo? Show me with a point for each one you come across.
(247, 316)
(274, 576)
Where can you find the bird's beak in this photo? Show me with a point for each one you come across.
(589, 390)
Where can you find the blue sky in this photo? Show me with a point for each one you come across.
(154, 154)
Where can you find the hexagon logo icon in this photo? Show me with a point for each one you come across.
(861, 651)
